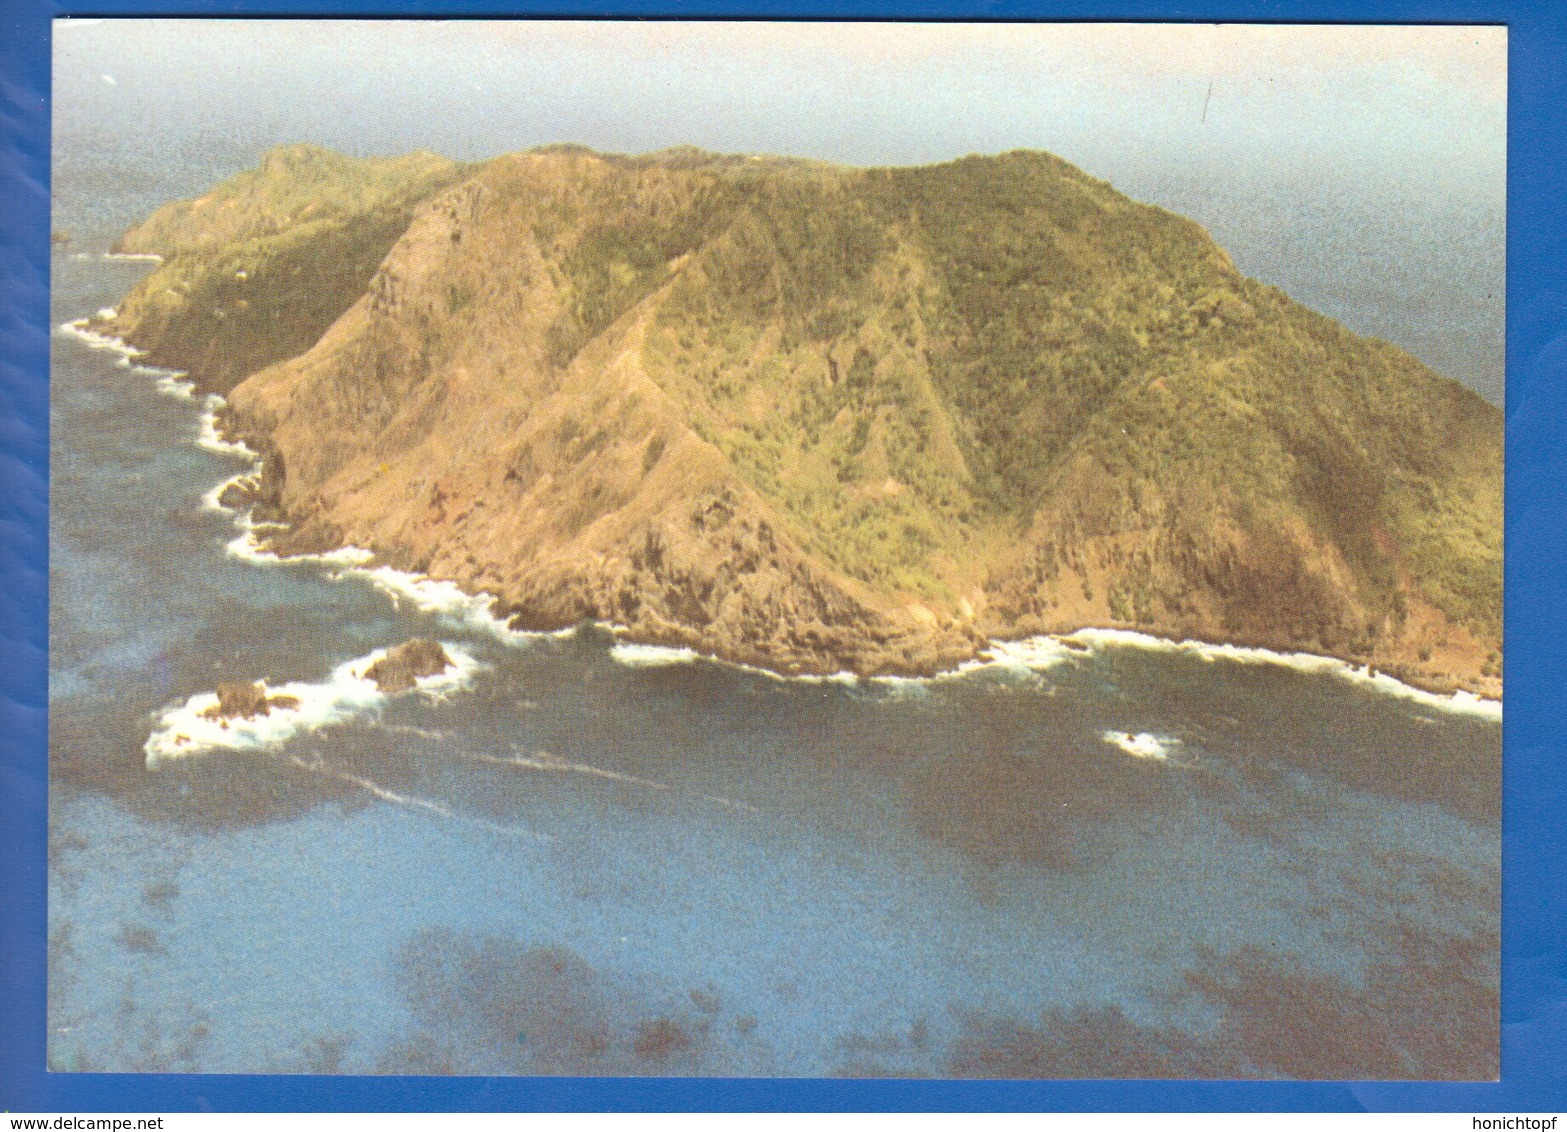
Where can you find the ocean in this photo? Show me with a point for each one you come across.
(575, 854)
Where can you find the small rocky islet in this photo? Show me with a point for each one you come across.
(404, 666)
(246, 700)
(399, 670)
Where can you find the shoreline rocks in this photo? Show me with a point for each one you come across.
(245, 700)
(402, 667)
(816, 486)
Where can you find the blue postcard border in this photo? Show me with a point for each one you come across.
(1534, 1000)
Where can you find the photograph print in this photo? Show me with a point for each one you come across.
(776, 549)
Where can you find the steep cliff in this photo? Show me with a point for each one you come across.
(815, 417)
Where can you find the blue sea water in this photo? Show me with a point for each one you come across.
(576, 864)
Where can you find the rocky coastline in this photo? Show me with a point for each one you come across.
(596, 483)
(303, 536)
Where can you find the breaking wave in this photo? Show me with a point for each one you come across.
(171, 382)
(248, 546)
(186, 729)
(1461, 702)
(1033, 655)
(212, 439)
(1141, 745)
(651, 656)
(80, 329)
(445, 600)
(175, 384)
(1030, 655)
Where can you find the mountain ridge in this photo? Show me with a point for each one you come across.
(816, 417)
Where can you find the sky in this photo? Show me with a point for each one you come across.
(1360, 168)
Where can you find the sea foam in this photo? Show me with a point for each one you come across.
(212, 500)
(651, 656)
(1141, 745)
(79, 329)
(208, 435)
(453, 604)
(174, 384)
(346, 694)
(634, 654)
(414, 802)
(1033, 655)
(446, 600)
(1461, 702)
(169, 381)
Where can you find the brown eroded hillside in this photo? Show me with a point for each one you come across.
(814, 417)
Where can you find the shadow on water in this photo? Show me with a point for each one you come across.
(1005, 772)
(490, 1005)
(1429, 1009)
(997, 769)
(1426, 1009)
(998, 785)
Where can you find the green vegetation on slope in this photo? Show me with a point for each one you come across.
(910, 380)
(996, 376)
(256, 270)
(292, 185)
(1055, 290)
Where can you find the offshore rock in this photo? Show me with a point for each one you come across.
(403, 666)
(243, 700)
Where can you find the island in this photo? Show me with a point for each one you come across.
(818, 418)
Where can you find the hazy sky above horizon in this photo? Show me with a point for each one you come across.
(1361, 168)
